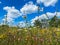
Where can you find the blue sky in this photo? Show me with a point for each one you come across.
(19, 6)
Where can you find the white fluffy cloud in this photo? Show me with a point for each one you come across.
(43, 16)
(29, 8)
(47, 2)
(50, 15)
(21, 24)
(12, 13)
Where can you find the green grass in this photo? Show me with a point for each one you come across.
(29, 36)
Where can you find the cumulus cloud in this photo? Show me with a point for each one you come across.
(24, 24)
(29, 8)
(58, 14)
(21, 24)
(12, 13)
(50, 15)
(43, 16)
(33, 20)
(47, 2)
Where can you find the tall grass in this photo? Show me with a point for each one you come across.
(30, 36)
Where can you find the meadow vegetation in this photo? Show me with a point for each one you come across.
(29, 36)
(39, 34)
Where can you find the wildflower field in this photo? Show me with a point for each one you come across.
(29, 22)
(29, 36)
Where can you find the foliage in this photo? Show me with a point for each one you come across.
(37, 23)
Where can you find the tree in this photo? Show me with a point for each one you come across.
(58, 22)
(54, 21)
(37, 23)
